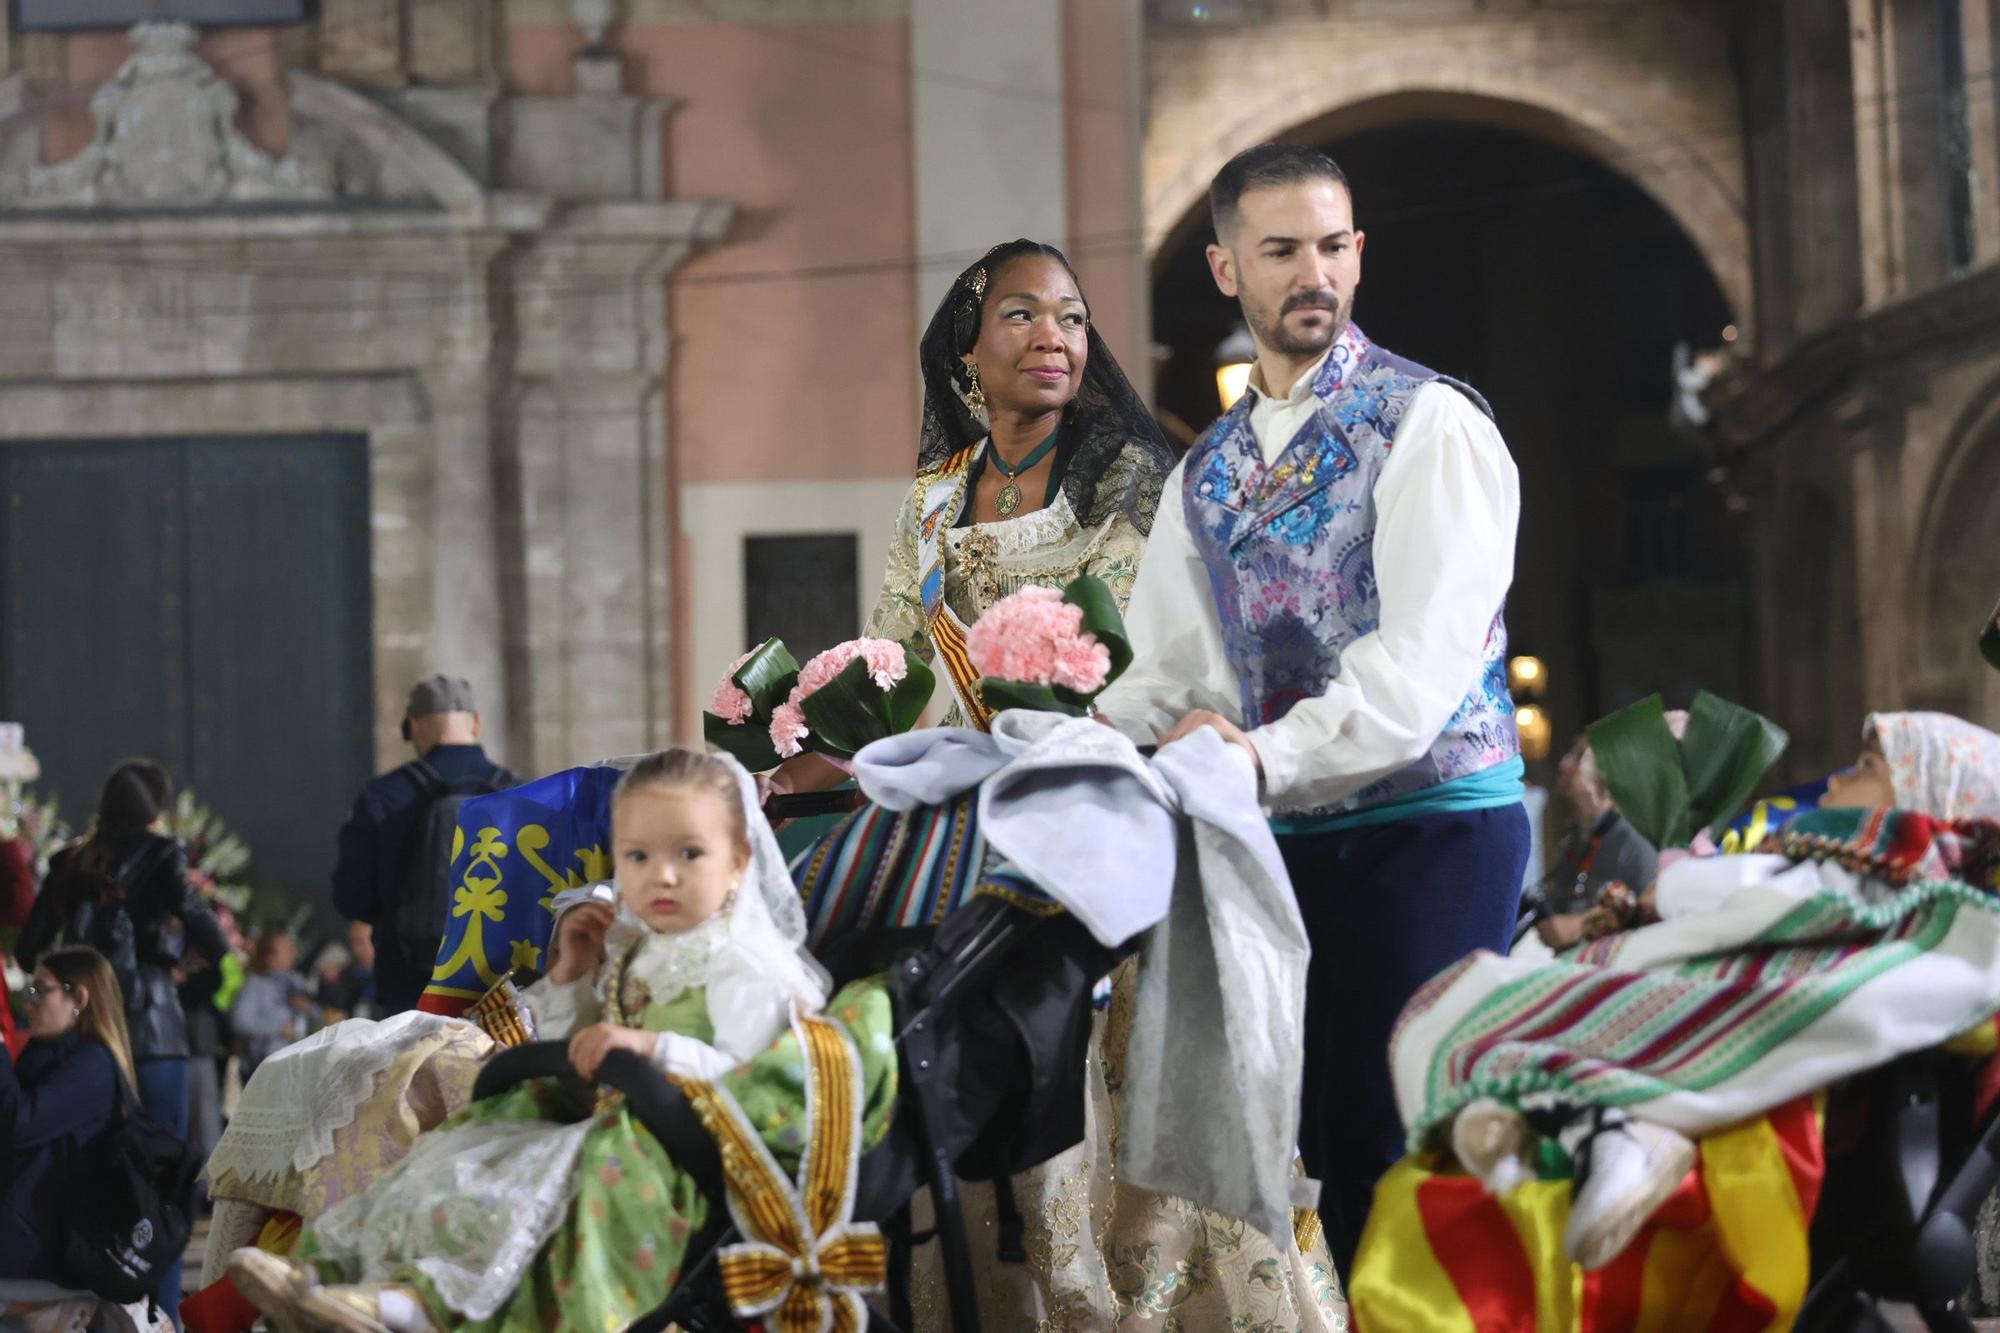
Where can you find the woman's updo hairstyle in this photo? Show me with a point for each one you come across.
(689, 770)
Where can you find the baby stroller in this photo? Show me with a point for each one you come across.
(1895, 1222)
(992, 1022)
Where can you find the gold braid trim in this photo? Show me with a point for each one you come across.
(1307, 1229)
(502, 1015)
(1007, 893)
(804, 1261)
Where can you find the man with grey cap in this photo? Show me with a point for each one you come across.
(395, 849)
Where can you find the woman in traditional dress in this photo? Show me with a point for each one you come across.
(1038, 463)
(1865, 930)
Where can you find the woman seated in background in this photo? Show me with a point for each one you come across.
(1601, 848)
(62, 1095)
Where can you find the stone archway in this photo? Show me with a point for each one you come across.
(1651, 96)
(1955, 575)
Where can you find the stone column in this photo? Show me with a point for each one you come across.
(1881, 269)
(1982, 110)
(1104, 114)
(1870, 432)
(469, 617)
(590, 359)
(988, 133)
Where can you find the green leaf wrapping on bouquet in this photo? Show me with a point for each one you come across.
(1101, 618)
(851, 710)
(1641, 764)
(1726, 750)
(767, 676)
(1093, 597)
(749, 744)
(1000, 695)
(1989, 640)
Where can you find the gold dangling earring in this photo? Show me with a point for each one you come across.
(975, 397)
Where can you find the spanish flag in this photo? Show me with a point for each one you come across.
(1727, 1253)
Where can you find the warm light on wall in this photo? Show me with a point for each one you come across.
(1231, 381)
(1535, 731)
(1527, 676)
(1233, 358)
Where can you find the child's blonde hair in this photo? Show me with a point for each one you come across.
(689, 770)
(266, 945)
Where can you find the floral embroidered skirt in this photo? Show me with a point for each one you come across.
(1103, 1254)
(540, 1210)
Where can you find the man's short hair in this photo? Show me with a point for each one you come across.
(1262, 167)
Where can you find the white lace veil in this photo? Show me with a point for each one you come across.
(768, 920)
(767, 923)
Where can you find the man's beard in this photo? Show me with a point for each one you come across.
(1310, 342)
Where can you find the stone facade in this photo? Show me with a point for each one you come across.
(1645, 85)
(416, 265)
(460, 226)
(1837, 165)
(1862, 431)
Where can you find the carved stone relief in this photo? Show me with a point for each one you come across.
(166, 137)
(415, 243)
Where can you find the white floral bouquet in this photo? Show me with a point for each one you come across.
(768, 708)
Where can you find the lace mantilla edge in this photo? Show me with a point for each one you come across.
(299, 1099)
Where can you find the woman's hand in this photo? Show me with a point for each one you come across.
(1560, 932)
(580, 942)
(588, 1048)
(808, 772)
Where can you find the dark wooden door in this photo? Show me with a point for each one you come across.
(204, 602)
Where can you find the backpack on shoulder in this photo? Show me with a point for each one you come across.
(423, 895)
(102, 918)
(123, 1208)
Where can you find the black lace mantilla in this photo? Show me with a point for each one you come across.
(1118, 456)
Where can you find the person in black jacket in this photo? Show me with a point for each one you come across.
(381, 840)
(120, 891)
(63, 1095)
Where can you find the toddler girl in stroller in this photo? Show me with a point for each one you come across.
(542, 1209)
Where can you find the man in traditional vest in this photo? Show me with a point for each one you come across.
(1323, 586)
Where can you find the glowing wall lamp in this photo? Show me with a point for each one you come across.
(1233, 360)
(1535, 731)
(1527, 677)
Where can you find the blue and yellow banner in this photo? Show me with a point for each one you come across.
(1767, 816)
(514, 851)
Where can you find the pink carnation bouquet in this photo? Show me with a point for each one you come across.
(768, 708)
(1054, 651)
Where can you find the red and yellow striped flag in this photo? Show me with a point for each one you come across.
(1727, 1253)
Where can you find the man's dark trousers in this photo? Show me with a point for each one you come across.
(1386, 907)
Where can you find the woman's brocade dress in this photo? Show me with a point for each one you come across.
(1100, 1253)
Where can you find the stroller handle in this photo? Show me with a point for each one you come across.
(657, 1103)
